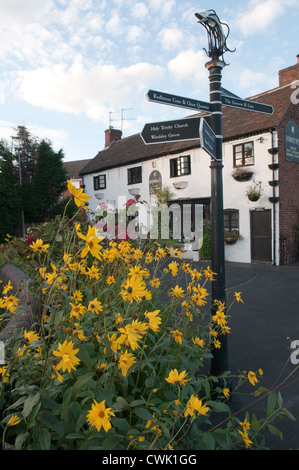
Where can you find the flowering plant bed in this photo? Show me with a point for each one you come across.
(116, 360)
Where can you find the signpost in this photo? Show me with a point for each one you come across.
(211, 141)
(171, 131)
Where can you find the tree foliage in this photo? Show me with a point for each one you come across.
(32, 179)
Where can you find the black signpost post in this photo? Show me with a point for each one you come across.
(211, 142)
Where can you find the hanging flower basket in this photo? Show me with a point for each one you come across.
(231, 237)
(254, 192)
(242, 174)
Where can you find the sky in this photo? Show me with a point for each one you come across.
(69, 69)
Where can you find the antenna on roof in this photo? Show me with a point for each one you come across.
(122, 118)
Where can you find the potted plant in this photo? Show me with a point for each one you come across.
(254, 192)
(231, 236)
(242, 174)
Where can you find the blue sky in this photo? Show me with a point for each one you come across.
(69, 67)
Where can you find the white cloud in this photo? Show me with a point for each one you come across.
(139, 11)
(80, 90)
(170, 38)
(189, 65)
(260, 15)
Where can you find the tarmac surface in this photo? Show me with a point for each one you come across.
(262, 330)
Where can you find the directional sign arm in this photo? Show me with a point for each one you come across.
(178, 101)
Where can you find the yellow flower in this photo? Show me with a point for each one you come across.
(209, 274)
(93, 273)
(238, 297)
(7, 288)
(176, 292)
(178, 336)
(199, 296)
(39, 246)
(110, 280)
(174, 267)
(198, 341)
(134, 289)
(245, 438)
(155, 282)
(220, 318)
(95, 306)
(77, 296)
(126, 360)
(174, 377)
(77, 310)
(13, 420)
(194, 404)
(31, 336)
(99, 416)
(245, 424)
(132, 333)
(153, 320)
(11, 303)
(91, 243)
(113, 343)
(5, 374)
(252, 378)
(67, 353)
(226, 392)
(80, 197)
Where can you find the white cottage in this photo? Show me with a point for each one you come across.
(260, 152)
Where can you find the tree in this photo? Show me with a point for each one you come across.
(49, 179)
(10, 194)
(25, 146)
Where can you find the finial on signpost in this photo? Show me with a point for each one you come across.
(216, 36)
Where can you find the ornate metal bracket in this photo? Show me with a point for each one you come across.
(216, 36)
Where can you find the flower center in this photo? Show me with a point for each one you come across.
(101, 414)
(129, 290)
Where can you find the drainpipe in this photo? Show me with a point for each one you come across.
(274, 152)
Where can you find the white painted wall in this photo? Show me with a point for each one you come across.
(198, 186)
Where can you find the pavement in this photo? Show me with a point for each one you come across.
(262, 330)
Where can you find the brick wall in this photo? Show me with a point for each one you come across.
(288, 189)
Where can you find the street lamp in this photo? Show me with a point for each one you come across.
(217, 47)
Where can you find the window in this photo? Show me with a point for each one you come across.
(99, 182)
(231, 220)
(244, 154)
(180, 166)
(135, 175)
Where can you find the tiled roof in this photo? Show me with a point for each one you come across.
(236, 123)
(73, 168)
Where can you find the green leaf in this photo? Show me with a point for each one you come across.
(51, 422)
(208, 441)
(274, 430)
(29, 404)
(82, 380)
(143, 413)
(271, 404)
(44, 439)
(21, 438)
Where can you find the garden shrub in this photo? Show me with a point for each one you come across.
(118, 358)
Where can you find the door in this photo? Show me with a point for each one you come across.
(261, 238)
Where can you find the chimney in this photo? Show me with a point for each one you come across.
(112, 135)
(289, 75)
